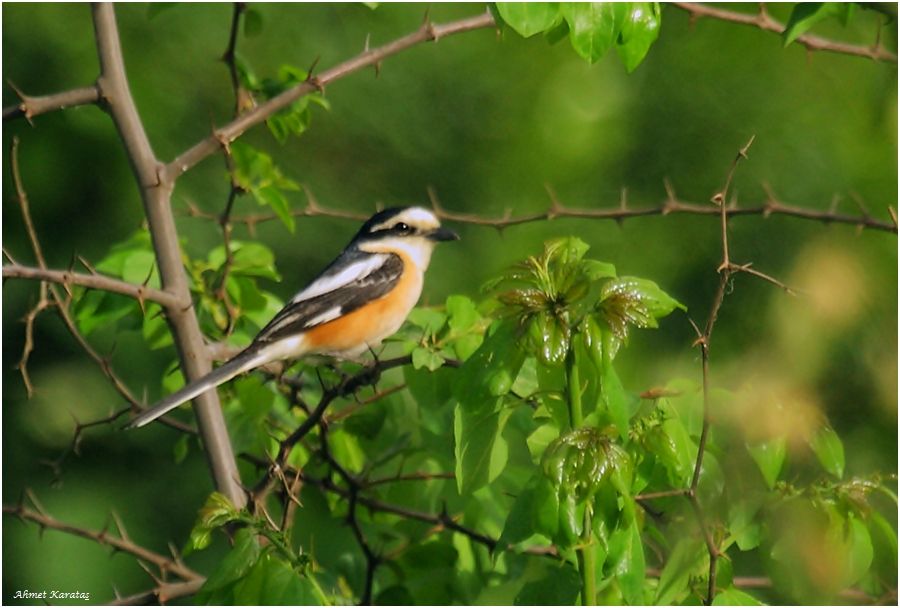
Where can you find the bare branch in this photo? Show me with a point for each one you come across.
(614, 212)
(102, 537)
(156, 196)
(233, 130)
(94, 281)
(763, 21)
(30, 106)
(161, 594)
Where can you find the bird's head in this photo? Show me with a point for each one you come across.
(410, 230)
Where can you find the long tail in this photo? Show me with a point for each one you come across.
(243, 362)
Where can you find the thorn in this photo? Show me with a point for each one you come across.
(623, 198)
(743, 151)
(555, 206)
(35, 502)
(366, 45)
(834, 203)
(670, 191)
(312, 68)
(312, 205)
(87, 265)
(435, 202)
(123, 533)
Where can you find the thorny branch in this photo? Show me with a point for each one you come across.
(31, 106)
(726, 270)
(119, 542)
(66, 278)
(51, 296)
(618, 213)
(156, 190)
(763, 21)
(165, 176)
(228, 133)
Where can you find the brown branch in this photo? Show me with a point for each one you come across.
(416, 476)
(241, 96)
(671, 206)
(29, 107)
(161, 594)
(763, 21)
(102, 537)
(93, 281)
(156, 193)
(233, 130)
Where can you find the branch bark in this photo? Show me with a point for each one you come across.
(762, 20)
(94, 281)
(156, 196)
(228, 133)
(102, 537)
(30, 106)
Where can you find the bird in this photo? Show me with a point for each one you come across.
(358, 300)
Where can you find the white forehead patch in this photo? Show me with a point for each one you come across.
(417, 217)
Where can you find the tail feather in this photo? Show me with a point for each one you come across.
(239, 364)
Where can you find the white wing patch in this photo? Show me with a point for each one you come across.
(329, 315)
(351, 273)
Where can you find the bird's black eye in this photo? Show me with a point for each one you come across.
(402, 227)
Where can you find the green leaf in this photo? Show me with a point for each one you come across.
(639, 30)
(248, 259)
(462, 312)
(634, 301)
(560, 587)
(530, 18)
(686, 559)
(180, 449)
(592, 27)
(596, 270)
(829, 449)
(580, 460)
(735, 597)
(253, 23)
(548, 338)
(807, 14)
(519, 523)
(769, 457)
(626, 553)
(234, 566)
(272, 197)
(614, 396)
(273, 582)
(424, 357)
(480, 450)
(745, 531)
(429, 319)
(491, 370)
(255, 170)
(859, 551)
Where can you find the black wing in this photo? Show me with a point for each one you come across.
(300, 316)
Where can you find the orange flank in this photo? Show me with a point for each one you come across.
(372, 322)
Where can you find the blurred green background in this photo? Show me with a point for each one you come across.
(487, 121)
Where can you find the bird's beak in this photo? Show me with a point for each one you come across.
(443, 234)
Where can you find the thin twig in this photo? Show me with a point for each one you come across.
(228, 133)
(161, 594)
(670, 206)
(156, 193)
(94, 281)
(31, 106)
(103, 537)
(763, 21)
